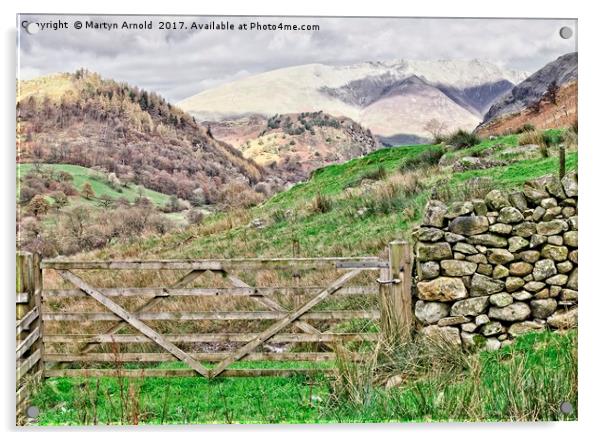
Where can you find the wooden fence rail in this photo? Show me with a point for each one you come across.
(60, 335)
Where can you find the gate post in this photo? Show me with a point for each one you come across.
(396, 292)
(37, 288)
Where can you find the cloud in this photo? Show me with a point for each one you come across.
(179, 63)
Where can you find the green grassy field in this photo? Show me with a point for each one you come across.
(525, 381)
(82, 175)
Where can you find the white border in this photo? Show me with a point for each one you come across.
(590, 192)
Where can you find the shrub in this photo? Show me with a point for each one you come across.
(531, 137)
(524, 128)
(195, 216)
(377, 174)
(429, 157)
(462, 139)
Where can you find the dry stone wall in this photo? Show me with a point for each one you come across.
(489, 270)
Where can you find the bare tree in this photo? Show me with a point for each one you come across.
(435, 128)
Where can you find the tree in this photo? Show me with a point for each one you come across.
(87, 191)
(435, 128)
(552, 92)
(38, 205)
(60, 199)
(106, 201)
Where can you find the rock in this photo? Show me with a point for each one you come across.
(518, 200)
(492, 344)
(520, 269)
(520, 328)
(499, 256)
(452, 320)
(556, 253)
(568, 295)
(574, 223)
(257, 223)
(564, 266)
(434, 251)
(524, 229)
(542, 294)
(544, 269)
(457, 209)
(480, 207)
(542, 308)
(534, 286)
(568, 212)
(517, 311)
(502, 337)
(523, 295)
(434, 213)
(552, 227)
(441, 289)
(455, 268)
(555, 188)
(573, 281)
(555, 291)
(472, 340)
(516, 244)
(492, 328)
(569, 184)
(478, 258)
(537, 240)
(500, 228)
(469, 307)
(481, 320)
(535, 192)
(501, 299)
(459, 256)
(510, 215)
(450, 335)
(552, 213)
(483, 285)
(429, 312)
(469, 225)
(538, 213)
(496, 200)
(485, 269)
(574, 257)
(489, 240)
(514, 283)
(468, 327)
(428, 270)
(529, 256)
(465, 248)
(570, 239)
(555, 240)
(500, 271)
(562, 319)
(450, 237)
(557, 280)
(550, 202)
(429, 234)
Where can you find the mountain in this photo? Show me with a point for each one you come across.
(392, 99)
(292, 145)
(546, 99)
(83, 119)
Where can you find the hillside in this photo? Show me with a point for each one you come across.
(293, 145)
(354, 208)
(83, 119)
(371, 93)
(546, 99)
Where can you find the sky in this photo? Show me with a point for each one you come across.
(179, 63)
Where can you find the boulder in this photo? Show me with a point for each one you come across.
(428, 234)
(434, 213)
(469, 307)
(441, 289)
(544, 269)
(429, 312)
(482, 285)
(501, 299)
(496, 200)
(554, 187)
(510, 215)
(518, 200)
(517, 311)
(469, 225)
(563, 319)
(457, 209)
(542, 308)
(569, 184)
(553, 227)
(534, 191)
(428, 270)
(449, 335)
(456, 268)
(520, 328)
(433, 251)
(489, 240)
(499, 256)
(516, 244)
(480, 207)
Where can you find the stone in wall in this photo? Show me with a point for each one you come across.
(490, 270)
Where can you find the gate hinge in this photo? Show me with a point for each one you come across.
(393, 281)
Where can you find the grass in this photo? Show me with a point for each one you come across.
(100, 186)
(525, 381)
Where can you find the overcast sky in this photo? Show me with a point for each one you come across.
(180, 63)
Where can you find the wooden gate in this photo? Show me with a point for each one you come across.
(301, 309)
